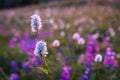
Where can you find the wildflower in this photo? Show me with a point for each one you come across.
(58, 56)
(90, 54)
(106, 41)
(109, 59)
(76, 36)
(14, 66)
(86, 74)
(12, 42)
(118, 55)
(84, 77)
(25, 66)
(14, 76)
(81, 59)
(62, 33)
(98, 58)
(66, 73)
(112, 32)
(96, 35)
(41, 49)
(56, 43)
(35, 23)
(67, 60)
(81, 41)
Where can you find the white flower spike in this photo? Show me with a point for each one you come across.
(41, 49)
(36, 23)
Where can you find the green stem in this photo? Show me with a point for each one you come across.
(4, 74)
(98, 75)
(110, 78)
(46, 65)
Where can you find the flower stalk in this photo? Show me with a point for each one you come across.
(46, 65)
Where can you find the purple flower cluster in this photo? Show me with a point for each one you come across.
(14, 76)
(90, 51)
(109, 59)
(26, 44)
(86, 74)
(12, 42)
(26, 67)
(65, 75)
(14, 66)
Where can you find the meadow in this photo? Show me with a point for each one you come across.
(83, 42)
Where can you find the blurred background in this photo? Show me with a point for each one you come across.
(75, 32)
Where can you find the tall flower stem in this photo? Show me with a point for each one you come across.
(98, 74)
(4, 75)
(46, 65)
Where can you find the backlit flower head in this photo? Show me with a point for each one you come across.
(56, 43)
(41, 49)
(76, 36)
(81, 41)
(35, 23)
(98, 58)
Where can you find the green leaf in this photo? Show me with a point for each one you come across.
(93, 76)
(43, 70)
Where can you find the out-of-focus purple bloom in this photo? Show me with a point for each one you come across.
(76, 36)
(14, 76)
(81, 59)
(14, 66)
(67, 60)
(106, 41)
(109, 59)
(12, 42)
(86, 74)
(65, 75)
(27, 44)
(96, 35)
(84, 77)
(97, 46)
(35, 61)
(90, 51)
(87, 71)
(58, 56)
(26, 66)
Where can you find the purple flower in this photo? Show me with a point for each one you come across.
(109, 59)
(67, 60)
(65, 75)
(86, 74)
(26, 66)
(12, 42)
(36, 61)
(14, 66)
(84, 77)
(81, 59)
(14, 76)
(87, 71)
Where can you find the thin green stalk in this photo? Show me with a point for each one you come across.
(46, 65)
(4, 74)
(98, 75)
